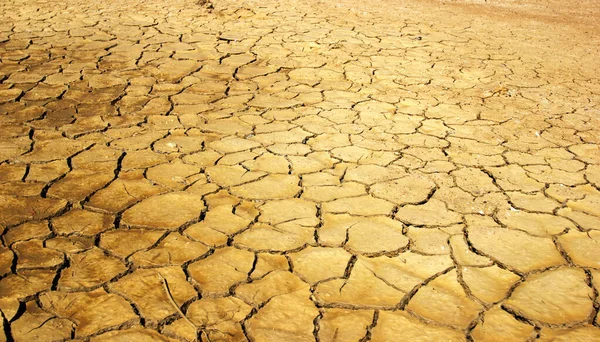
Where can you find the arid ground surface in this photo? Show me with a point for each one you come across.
(266, 170)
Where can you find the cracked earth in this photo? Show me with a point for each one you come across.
(286, 171)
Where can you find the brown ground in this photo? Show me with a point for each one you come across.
(413, 170)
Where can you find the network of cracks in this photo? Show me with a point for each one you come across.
(284, 171)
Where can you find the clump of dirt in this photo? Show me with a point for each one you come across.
(206, 4)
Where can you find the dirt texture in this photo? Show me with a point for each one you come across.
(323, 171)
